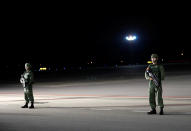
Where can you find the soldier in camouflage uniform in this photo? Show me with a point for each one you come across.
(158, 71)
(27, 81)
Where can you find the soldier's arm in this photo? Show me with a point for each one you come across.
(162, 70)
(26, 80)
(31, 78)
(146, 75)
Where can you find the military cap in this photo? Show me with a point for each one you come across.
(154, 56)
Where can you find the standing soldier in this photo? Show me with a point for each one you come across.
(155, 84)
(27, 81)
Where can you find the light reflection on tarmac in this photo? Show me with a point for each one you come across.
(117, 104)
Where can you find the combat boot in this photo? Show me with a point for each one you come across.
(32, 105)
(25, 106)
(153, 111)
(161, 111)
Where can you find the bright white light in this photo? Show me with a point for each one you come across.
(131, 38)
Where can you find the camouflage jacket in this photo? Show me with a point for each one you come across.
(158, 70)
(29, 78)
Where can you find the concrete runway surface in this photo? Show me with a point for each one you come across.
(112, 104)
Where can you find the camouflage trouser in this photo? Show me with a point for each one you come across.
(152, 97)
(28, 94)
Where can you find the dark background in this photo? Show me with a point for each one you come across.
(75, 34)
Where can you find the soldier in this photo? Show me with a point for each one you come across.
(158, 71)
(27, 81)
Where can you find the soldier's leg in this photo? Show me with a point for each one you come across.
(152, 101)
(26, 95)
(160, 101)
(30, 95)
(26, 99)
(31, 98)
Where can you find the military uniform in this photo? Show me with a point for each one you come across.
(158, 71)
(28, 92)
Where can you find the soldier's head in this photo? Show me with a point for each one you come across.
(27, 66)
(154, 58)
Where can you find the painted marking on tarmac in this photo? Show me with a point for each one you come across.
(101, 109)
(139, 111)
(106, 96)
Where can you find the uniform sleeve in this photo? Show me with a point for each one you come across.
(26, 80)
(162, 70)
(146, 75)
(31, 78)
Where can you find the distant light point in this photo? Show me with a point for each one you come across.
(131, 37)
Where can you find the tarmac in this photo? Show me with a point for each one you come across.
(97, 105)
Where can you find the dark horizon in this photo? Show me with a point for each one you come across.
(77, 37)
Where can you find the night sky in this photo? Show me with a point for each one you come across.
(73, 36)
